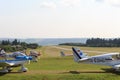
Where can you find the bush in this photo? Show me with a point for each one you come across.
(32, 45)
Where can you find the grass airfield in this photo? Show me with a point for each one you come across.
(53, 67)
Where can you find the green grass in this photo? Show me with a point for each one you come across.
(53, 67)
(62, 77)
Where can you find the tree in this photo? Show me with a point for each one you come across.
(15, 42)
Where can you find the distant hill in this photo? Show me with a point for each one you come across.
(49, 41)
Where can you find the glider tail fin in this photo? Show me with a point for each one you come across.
(76, 55)
(62, 53)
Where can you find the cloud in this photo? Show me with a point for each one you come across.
(70, 3)
(99, 1)
(60, 3)
(110, 2)
(48, 5)
(114, 2)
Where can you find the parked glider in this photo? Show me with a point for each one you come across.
(18, 60)
(63, 54)
(78, 50)
(109, 59)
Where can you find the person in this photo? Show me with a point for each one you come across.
(3, 53)
(35, 55)
(24, 51)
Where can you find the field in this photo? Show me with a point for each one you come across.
(53, 67)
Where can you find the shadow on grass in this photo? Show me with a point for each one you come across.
(111, 70)
(15, 72)
(108, 70)
(74, 72)
(79, 72)
(2, 74)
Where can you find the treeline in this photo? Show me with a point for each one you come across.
(16, 45)
(73, 44)
(97, 42)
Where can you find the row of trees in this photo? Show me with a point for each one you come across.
(73, 44)
(98, 42)
(16, 45)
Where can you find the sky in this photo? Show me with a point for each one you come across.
(59, 18)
